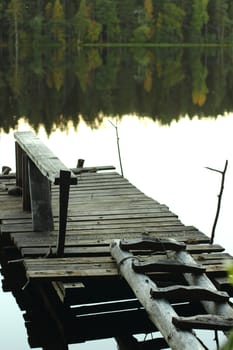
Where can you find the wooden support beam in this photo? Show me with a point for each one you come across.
(25, 183)
(159, 311)
(42, 217)
(18, 162)
(63, 208)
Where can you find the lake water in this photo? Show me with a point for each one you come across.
(167, 137)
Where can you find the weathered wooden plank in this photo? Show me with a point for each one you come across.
(99, 216)
(106, 190)
(80, 170)
(69, 275)
(189, 293)
(151, 244)
(77, 273)
(126, 222)
(125, 218)
(41, 156)
(27, 240)
(101, 183)
(173, 232)
(166, 265)
(82, 259)
(87, 210)
(42, 217)
(108, 193)
(89, 204)
(208, 321)
(142, 225)
(108, 175)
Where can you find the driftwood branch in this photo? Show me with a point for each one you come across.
(223, 173)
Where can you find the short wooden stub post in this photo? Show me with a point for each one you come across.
(80, 163)
(159, 311)
(63, 208)
(42, 217)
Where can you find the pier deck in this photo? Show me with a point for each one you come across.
(102, 207)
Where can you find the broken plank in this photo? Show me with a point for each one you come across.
(151, 244)
(209, 321)
(189, 293)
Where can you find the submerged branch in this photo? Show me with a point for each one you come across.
(219, 199)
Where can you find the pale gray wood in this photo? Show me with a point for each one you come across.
(204, 322)
(18, 163)
(49, 164)
(159, 311)
(179, 293)
(201, 280)
(43, 167)
(42, 217)
(25, 183)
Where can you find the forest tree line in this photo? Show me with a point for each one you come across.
(63, 22)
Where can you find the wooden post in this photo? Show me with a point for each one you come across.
(25, 183)
(159, 311)
(63, 208)
(42, 217)
(80, 163)
(18, 164)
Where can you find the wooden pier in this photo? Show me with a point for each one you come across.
(74, 245)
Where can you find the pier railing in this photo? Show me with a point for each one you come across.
(36, 169)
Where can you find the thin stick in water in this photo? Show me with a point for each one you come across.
(223, 173)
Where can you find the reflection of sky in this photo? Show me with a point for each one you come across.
(166, 162)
